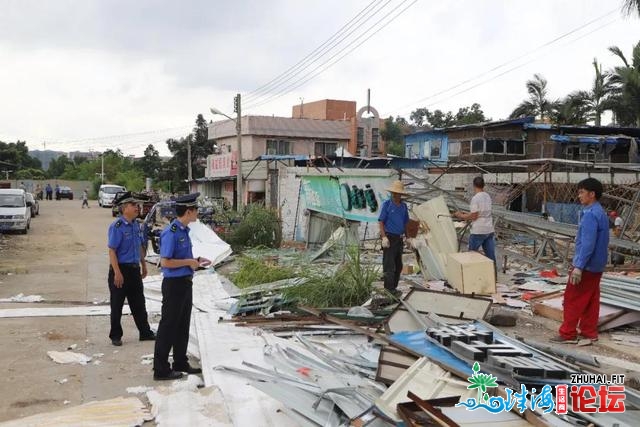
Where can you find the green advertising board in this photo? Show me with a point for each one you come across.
(356, 198)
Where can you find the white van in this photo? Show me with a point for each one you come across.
(15, 211)
(107, 193)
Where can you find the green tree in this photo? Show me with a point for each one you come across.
(418, 117)
(538, 104)
(201, 147)
(625, 102)
(393, 135)
(16, 157)
(440, 119)
(470, 115)
(30, 173)
(58, 166)
(151, 162)
(132, 179)
(423, 117)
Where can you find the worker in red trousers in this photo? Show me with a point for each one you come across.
(582, 296)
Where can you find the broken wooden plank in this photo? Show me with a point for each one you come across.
(435, 413)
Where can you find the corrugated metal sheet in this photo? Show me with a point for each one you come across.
(284, 127)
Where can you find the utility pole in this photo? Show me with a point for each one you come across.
(238, 109)
(102, 169)
(189, 175)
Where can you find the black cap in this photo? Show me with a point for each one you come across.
(124, 197)
(141, 197)
(189, 200)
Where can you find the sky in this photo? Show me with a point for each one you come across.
(97, 74)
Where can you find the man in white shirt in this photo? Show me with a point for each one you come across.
(482, 231)
(616, 231)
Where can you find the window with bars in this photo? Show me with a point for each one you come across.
(325, 148)
(375, 138)
(477, 146)
(454, 148)
(278, 147)
(436, 148)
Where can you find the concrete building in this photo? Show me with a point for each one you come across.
(315, 130)
(365, 123)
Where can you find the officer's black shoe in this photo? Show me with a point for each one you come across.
(187, 369)
(116, 341)
(148, 337)
(171, 375)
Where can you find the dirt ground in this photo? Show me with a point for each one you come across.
(63, 258)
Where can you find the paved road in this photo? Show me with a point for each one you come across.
(63, 258)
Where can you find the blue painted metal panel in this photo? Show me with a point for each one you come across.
(564, 212)
(420, 145)
(586, 139)
(418, 342)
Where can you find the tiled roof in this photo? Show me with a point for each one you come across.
(283, 127)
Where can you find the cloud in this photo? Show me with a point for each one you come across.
(79, 70)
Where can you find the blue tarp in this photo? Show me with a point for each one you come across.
(586, 139)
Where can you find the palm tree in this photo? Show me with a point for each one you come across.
(574, 109)
(603, 88)
(626, 81)
(537, 105)
(630, 7)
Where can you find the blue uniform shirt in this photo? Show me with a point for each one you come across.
(394, 217)
(176, 244)
(125, 238)
(592, 240)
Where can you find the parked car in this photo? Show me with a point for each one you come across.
(107, 193)
(65, 193)
(35, 206)
(15, 210)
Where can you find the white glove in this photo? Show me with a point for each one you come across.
(575, 277)
(385, 242)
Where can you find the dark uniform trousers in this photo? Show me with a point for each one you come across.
(392, 261)
(173, 330)
(132, 289)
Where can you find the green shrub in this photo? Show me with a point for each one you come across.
(254, 271)
(260, 226)
(351, 284)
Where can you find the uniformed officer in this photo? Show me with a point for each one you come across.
(178, 265)
(127, 269)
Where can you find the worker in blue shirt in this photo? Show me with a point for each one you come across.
(178, 265)
(581, 305)
(127, 268)
(393, 219)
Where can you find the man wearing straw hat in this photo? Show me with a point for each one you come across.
(127, 268)
(393, 219)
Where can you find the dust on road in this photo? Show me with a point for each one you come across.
(63, 258)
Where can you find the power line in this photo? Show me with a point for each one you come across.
(97, 138)
(478, 76)
(311, 75)
(317, 51)
(518, 66)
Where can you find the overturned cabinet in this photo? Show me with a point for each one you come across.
(471, 273)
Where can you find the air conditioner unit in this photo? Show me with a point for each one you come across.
(271, 152)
